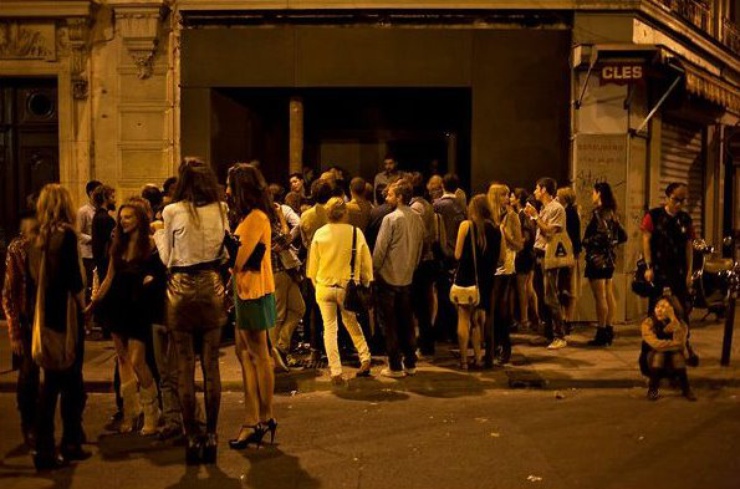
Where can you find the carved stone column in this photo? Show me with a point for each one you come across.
(78, 30)
(139, 25)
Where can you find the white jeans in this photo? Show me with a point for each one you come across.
(329, 299)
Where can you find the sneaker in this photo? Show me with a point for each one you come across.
(394, 374)
(364, 370)
(557, 344)
(279, 361)
(75, 452)
(170, 431)
(410, 371)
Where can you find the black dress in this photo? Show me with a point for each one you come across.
(487, 261)
(602, 234)
(128, 307)
(525, 258)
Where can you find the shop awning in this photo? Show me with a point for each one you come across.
(711, 87)
(697, 81)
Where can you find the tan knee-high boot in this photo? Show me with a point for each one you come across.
(150, 402)
(131, 406)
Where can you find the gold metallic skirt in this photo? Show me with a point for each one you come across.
(195, 301)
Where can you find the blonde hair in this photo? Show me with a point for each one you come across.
(566, 196)
(336, 209)
(54, 210)
(495, 192)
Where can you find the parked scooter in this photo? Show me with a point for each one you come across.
(712, 279)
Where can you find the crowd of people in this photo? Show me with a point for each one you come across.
(404, 264)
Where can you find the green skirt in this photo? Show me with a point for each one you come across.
(255, 314)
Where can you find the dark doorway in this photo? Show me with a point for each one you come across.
(427, 130)
(29, 146)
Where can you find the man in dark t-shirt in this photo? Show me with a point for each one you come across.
(667, 236)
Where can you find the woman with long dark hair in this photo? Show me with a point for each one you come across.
(478, 231)
(602, 234)
(191, 244)
(665, 349)
(254, 299)
(56, 271)
(524, 264)
(132, 268)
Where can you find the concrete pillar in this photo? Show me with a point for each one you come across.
(296, 134)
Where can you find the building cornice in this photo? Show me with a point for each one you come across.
(45, 8)
(698, 41)
(236, 5)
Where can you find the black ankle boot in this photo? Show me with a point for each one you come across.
(210, 449)
(193, 450)
(610, 334)
(602, 337)
(686, 391)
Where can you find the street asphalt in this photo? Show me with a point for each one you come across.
(507, 439)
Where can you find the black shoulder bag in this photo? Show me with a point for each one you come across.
(357, 296)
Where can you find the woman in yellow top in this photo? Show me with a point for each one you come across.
(254, 298)
(330, 270)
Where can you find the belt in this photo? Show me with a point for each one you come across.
(198, 267)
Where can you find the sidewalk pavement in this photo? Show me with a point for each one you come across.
(577, 366)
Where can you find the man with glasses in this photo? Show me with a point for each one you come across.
(667, 235)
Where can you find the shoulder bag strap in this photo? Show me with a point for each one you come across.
(472, 245)
(223, 241)
(354, 254)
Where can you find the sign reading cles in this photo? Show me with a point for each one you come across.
(622, 73)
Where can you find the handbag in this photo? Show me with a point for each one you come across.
(507, 265)
(357, 296)
(51, 349)
(559, 252)
(466, 295)
(640, 286)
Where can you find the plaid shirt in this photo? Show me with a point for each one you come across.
(15, 300)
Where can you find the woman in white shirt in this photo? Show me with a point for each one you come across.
(191, 245)
(329, 270)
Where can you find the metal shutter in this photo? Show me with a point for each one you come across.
(683, 161)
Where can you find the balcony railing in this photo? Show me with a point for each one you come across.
(697, 12)
(731, 36)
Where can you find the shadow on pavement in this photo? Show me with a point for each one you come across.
(114, 447)
(442, 385)
(58, 479)
(215, 478)
(271, 467)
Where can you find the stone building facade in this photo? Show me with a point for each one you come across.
(119, 90)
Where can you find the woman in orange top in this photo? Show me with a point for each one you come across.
(254, 298)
